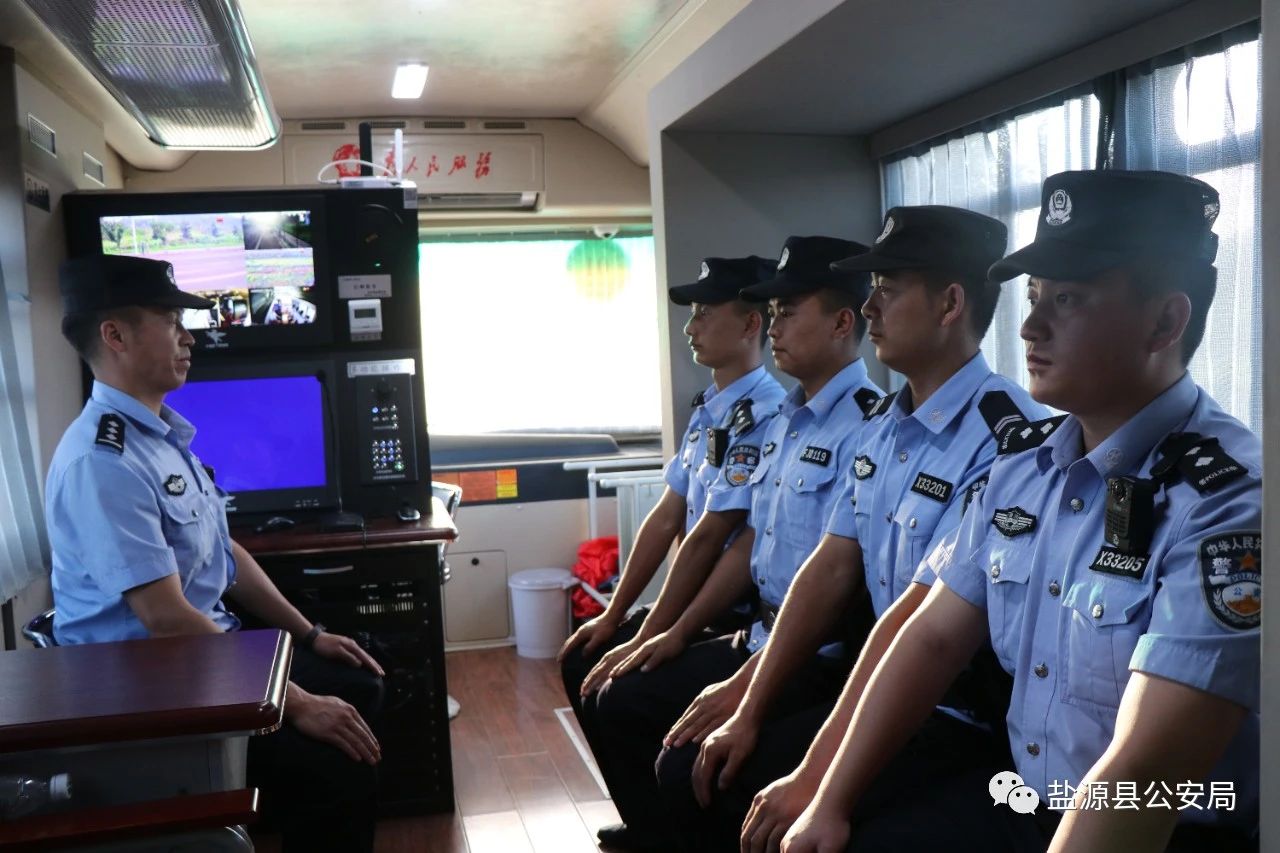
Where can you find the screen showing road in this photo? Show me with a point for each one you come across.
(257, 267)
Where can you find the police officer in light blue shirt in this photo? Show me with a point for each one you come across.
(141, 549)
(814, 334)
(1114, 561)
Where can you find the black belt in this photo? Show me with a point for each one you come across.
(768, 614)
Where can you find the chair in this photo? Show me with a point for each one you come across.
(39, 631)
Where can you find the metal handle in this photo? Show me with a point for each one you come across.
(336, 570)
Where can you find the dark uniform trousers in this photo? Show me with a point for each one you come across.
(319, 798)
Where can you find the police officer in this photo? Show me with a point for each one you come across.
(726, 335)
(815, 333)
(1114, 560)
(141, 549)
(923, 455)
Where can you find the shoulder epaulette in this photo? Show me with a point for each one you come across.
(1024, 436)
(879, 407)
(1200, 461)
(111, 432)
(1000, 413)
(698, 400)
(866, 400)
(741, 419)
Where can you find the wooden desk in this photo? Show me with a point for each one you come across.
(381, 586)
(143, 719)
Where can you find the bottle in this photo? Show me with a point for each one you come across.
(21, 796)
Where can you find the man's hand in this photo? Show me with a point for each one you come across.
(707, 712)
(345, 650)
(776, 808)
(330, 720)
(814, 832)
(653, 654)
(592, 633)
(728, 747)
(600, 673)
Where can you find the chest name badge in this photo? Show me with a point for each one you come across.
(816, 455)
(175, 485)
(1013, 521)
(932, 487)
(1231, 571)
(740, 463)
(863, 467)
(1113, 562)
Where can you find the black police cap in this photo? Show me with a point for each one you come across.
(99, 282)
(721, 279)
(1093, 221)
(933, 236)
(805, 266)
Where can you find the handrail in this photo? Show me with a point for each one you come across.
(612, 462)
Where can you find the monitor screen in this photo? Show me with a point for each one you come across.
(258, 267)
(265, 438)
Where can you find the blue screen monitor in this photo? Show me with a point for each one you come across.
(266, 437)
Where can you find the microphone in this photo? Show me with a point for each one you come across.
(339, 521)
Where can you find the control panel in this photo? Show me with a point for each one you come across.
(385, 422)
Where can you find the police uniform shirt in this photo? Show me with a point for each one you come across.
(1070, 618)
(691, 472)
(806, 447)
(914, 473)
(128, 503)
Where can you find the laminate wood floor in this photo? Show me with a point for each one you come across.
(520, 785)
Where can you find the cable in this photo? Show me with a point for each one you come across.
(349, 162)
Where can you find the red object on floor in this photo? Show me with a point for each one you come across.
(597, 563)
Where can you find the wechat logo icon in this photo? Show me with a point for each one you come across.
(1008, 789)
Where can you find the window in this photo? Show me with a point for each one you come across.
(1195, 112)
(551, 334)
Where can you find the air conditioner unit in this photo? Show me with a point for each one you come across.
(496, 171)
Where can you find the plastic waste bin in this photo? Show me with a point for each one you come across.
(540, 606)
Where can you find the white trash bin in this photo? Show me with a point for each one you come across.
(541, 610)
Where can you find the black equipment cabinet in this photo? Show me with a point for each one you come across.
(382, 588)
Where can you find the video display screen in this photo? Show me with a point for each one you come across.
(258, 267)
(258, 434)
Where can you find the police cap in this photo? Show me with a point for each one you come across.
(933, 237)
(805, 266)
(99, 282)
(721, 279)
(1093, 221)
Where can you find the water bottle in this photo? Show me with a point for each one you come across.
(21, 796)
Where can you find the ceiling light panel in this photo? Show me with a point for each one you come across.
(411, 79)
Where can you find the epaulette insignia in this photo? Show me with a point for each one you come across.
(881, 406)
(1024, 436)
(111, 432)
(1201, 461)
(741, 420)
(866, 400)
(1000, 413)
(698, 399)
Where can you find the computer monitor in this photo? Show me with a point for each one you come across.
(266, 435)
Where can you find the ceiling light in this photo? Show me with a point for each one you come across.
(184, 68)
(411, 78)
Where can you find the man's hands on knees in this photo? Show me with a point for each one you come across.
(603, 670)
(708, 711)
(590, 635)
(330, 720)
(345, 650)
(776, 808)
(816, 832)
(722, 756)
(653, 653)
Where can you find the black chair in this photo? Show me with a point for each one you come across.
(39, 631)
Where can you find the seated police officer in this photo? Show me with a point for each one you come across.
(141, 549)
(726, 334)
(1113, 559)
(923, 455)
(814, 334)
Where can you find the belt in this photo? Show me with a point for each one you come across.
(768, 614)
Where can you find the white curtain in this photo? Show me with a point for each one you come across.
(24, 547)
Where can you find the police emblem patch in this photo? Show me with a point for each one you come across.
(786, 256)
(168, 270)
(706, 271)
(1211, 212)
(888, 229)
(1231, 572)
(1059, 208)
(1013, 521)
(740, 462)
(175, 485)
(863, 467)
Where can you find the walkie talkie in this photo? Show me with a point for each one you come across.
(1130, 514)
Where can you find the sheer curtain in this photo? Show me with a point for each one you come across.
(1196, 112)
(997, 170)
(24, 548)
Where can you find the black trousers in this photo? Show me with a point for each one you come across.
(319, 798)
